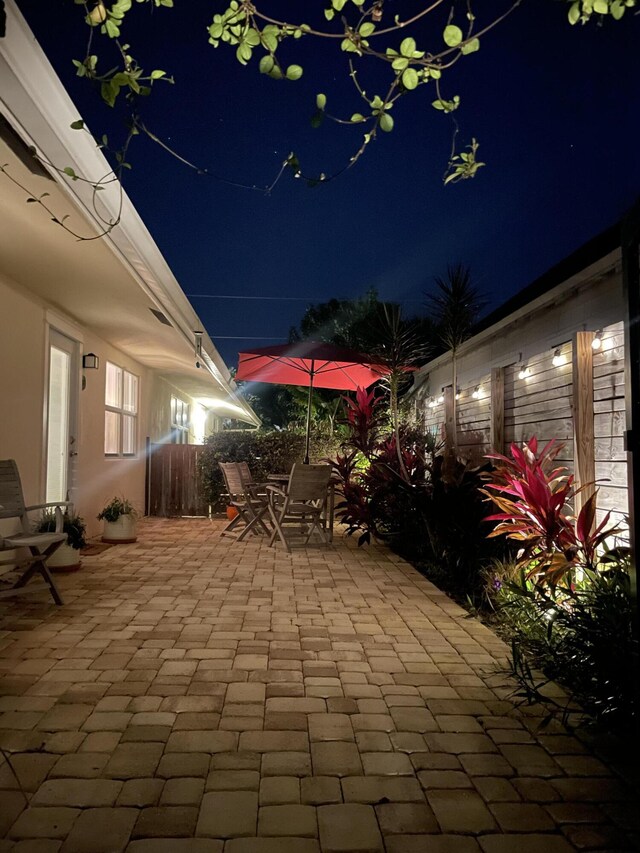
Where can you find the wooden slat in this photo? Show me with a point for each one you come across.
(583, 413)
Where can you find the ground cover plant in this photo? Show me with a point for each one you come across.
(565, 599)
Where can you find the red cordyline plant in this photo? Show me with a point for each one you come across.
(364, 419)
(533, 494)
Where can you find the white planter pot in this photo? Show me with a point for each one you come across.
(64, 559)
(121, 531)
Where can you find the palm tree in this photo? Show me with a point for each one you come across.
(455, 307)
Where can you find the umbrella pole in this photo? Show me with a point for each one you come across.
(306, 446)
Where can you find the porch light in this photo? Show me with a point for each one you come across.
(596, 343)
(558, 359)
(524, 372)
(90, 361)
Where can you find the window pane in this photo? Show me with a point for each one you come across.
(128, 435)
(174, 403)
(130, 402)
(113, 386)
(111, 432)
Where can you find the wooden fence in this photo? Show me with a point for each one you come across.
(174, 486)
(579, 402)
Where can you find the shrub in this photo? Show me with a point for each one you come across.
(73, 525)
(581, 636)
(566, 600)
(266, 452)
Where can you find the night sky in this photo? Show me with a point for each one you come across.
(555, 109)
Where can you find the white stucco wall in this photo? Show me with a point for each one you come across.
(24, 322)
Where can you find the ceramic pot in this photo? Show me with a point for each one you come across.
(64, 559)
(122, 531)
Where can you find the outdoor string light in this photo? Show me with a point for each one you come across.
(476, 393)
(524, 371)
(458, 394)
(558, 359)
(596, 343)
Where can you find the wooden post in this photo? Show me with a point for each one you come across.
(450, 432)
(583, 438)
(497, 409)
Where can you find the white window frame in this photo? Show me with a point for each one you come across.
(180, 426)
(126, 411)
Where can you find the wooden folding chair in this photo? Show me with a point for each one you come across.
(41, 545)
(245, 497)
(303, 502)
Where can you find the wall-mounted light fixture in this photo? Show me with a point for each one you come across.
(558, 358)
(596, 343)
(477, 393)
(524, 371)
(90, 361)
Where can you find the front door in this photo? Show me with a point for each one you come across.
(62, 403)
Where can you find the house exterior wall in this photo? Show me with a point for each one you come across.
(24, 328)
(200, 418)
(543, 403)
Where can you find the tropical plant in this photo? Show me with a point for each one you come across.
(533, 496)
(580, 635)
(115, 508)
(73, 525)
(455, 307)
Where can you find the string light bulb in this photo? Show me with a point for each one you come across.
(558, 359)
(596, 343)
(441, 398)
(524, 372)
(458, 394)
(476, 393)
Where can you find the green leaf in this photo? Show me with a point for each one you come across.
(601, 7)
(410, 78)
(357, 117)
(574, 13)
(157, 74)
(294, 72)
(366, 29)
(321, 101)
(471, 46)
(329, 14)
(400, 63)
(69, 171)
(386, 122)
(111, 28)
(266, 64)
(452, 35)
(77, 125)
(407, 47)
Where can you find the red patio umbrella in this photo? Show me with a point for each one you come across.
(311, 364)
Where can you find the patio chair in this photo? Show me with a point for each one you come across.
(40, 545)
(245, 498)
(303, 502)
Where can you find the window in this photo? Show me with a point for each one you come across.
(121, 412)
(179, 421)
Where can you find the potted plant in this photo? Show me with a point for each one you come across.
(119, 517)
(66, 558)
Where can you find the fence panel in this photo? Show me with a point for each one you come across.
(175, 486)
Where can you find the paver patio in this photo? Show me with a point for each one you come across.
(198, 695)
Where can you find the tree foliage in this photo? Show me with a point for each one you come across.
(387, 54)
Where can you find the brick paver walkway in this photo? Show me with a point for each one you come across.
(198, 695)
